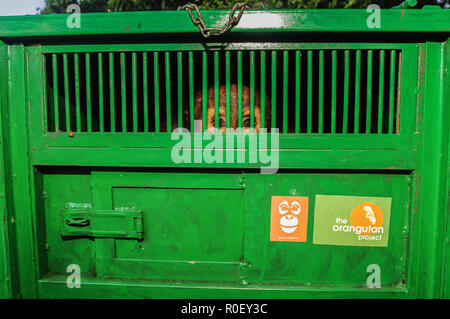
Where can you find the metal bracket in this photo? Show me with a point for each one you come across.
(87, 222)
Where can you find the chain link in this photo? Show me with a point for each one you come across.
(207, 32)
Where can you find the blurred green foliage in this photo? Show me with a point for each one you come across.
(59, 6)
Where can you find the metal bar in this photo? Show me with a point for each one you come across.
(285, 90)
(297, 90)
(399, 76)
(66, 92)
(263, 89)
(346, 91)
(44, 100)
(88, 92)
(168, 94)
(239, 81)
(252, 90)
(381, 93)
(180, 88)
(55, 91)
(191, 91)
(321, 89)
(123, 92)
(216, 90)
(369, 92)
(145, 89)
(112, 94)
(357, 90)
(273, 114)
(309, 104)
(392, 91)
(134, 88)
(227, 89)
(333, 90)
(77, 91)
(156, 89)
(204, 89)
(101, 105)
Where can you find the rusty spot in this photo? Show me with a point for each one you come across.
(403, 14)
(126, 29)
(71, 134)
(390, 167)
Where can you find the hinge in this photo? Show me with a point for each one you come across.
(89, 222)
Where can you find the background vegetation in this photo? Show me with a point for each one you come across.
(59, 6)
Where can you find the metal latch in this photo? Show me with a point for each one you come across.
(88, 222)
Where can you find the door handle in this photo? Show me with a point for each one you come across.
(78, 222)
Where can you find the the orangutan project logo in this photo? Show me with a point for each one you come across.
(289, 218)
(351, 220)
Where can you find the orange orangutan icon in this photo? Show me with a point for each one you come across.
(289, 218)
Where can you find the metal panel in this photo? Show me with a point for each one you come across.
(372, 121)
(286, 21)
(6, 285)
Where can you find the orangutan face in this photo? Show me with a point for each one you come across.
(234, 114)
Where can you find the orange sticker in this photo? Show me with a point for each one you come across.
(368, 217)
(289, 218)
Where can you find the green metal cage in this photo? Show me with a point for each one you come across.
(87, 177)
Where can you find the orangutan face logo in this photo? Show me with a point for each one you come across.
(289, 220)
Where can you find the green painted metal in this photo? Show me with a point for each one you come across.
(359, 115)
(167, 22)
(6, 263)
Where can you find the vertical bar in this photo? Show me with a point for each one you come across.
(252, 90)
(123, 92)
(369, 92)
(180, 88)
(285, 90)
(45, 102)
(273, 115)
(168, 94)
(191, 91)
(112, 94)
(77, 92)
(66, 92)
(204, 89)
(216, 90)
(145, 89)
(346, 91)
(263, 89)
(397, 111)
(55, 91)
(88, 92)
(392, 92)
(309, 104)
(321, 93)
(357, 89)
(297, 90)
(134, 88)
(381, 93)
(101, 105)
(227, 89)
(333, 90)
(239, 80)
(156, 89)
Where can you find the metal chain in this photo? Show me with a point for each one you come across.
(207, 32)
